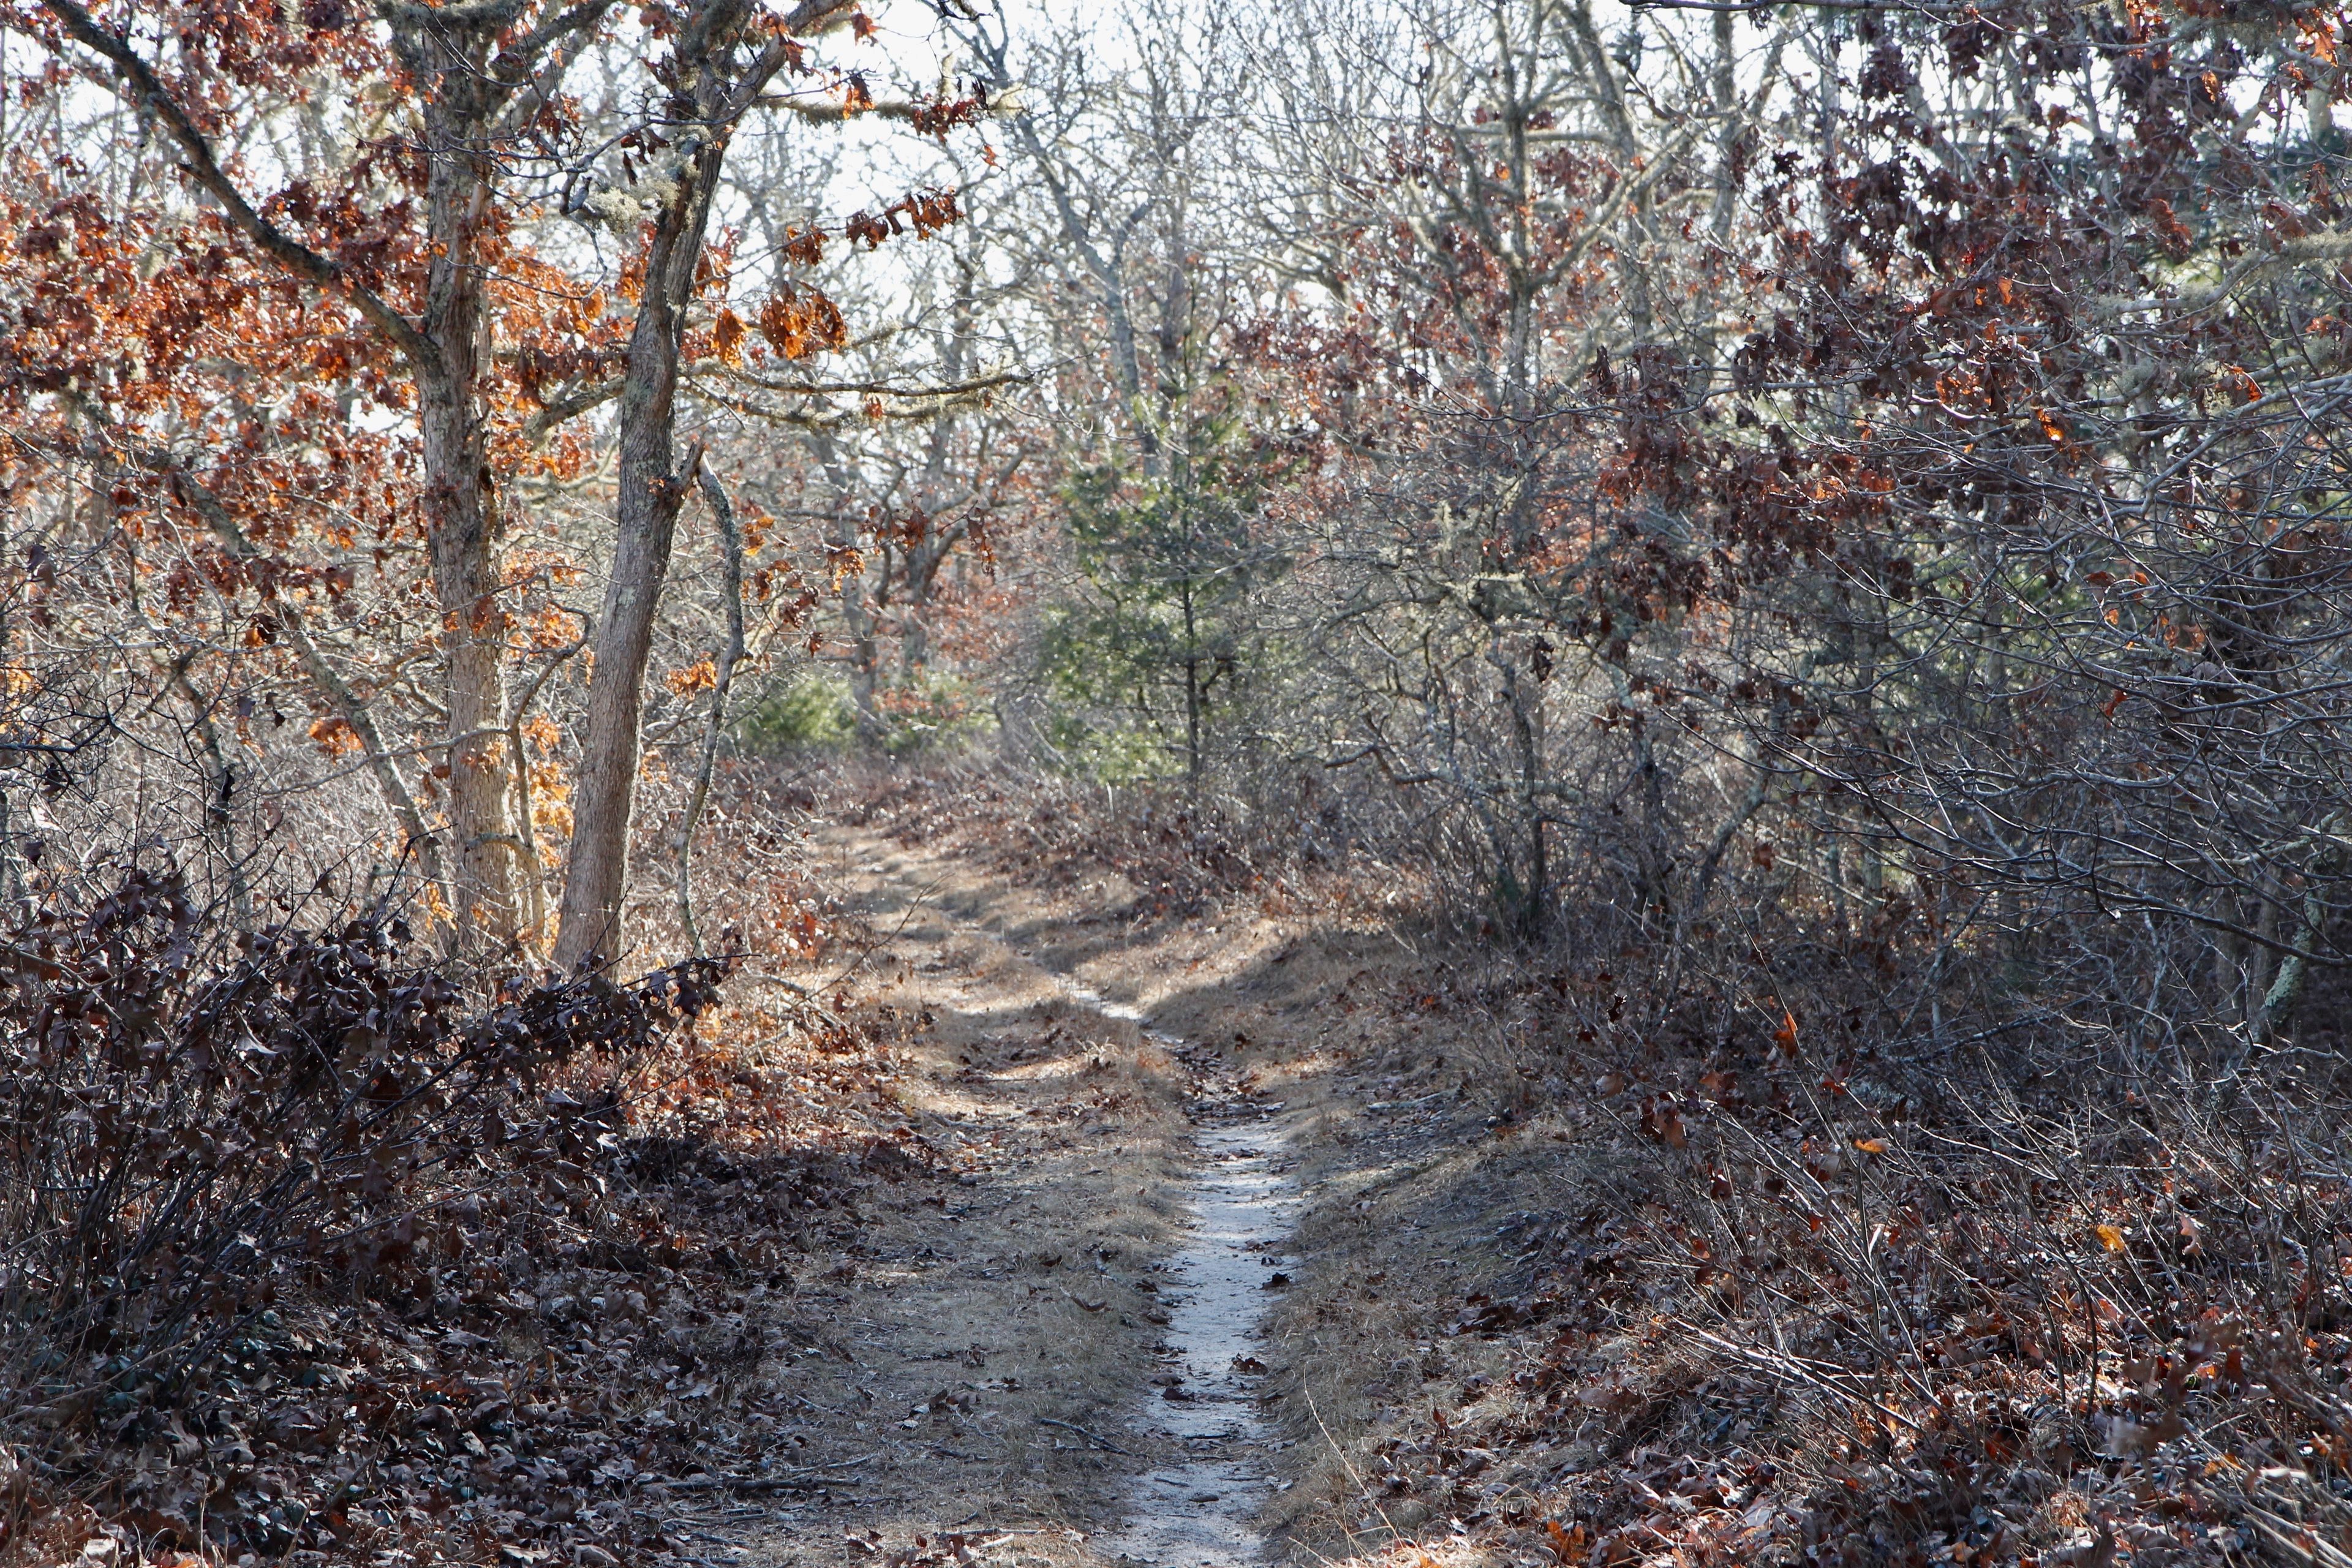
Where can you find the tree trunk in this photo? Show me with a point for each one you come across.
(864, 665)
(1192, 694)
(604, 796)
(460, 507)
(730, 563)
(704, 96)
(464, 576)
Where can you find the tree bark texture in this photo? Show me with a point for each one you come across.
(604, 793)
(652, 488)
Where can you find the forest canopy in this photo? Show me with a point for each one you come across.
(1592, 448)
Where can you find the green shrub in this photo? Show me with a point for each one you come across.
(813, 711)
(1112, 754)
(810, 710)
(935, 713)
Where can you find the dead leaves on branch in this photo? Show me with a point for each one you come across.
(800, 322)
(924, 212)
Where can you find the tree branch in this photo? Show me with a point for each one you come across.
(870, 388)
(282, 248)
(349, 705)
(731, 554)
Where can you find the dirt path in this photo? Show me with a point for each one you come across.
(1056, 1364)
(1198, 1510)
(1182, 1279)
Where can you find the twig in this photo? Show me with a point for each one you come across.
(811, 1476)
(2295, 1541)
(1094, 1436)
(1407, 1104)
(1828, 1380)
(905, 920)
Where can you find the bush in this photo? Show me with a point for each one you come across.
(936, 712)
(815, 712)
(191, 1135)
(810, 711)
(1111, 754)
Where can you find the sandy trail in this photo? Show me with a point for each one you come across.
(1197, 1511)
(1056, 1367)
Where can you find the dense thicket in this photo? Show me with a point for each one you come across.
(1890, 455)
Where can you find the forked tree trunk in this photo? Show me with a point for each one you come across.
(596, 878)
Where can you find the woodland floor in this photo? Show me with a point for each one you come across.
(1206, 1216)
(980, 1371)
(1059, 1186)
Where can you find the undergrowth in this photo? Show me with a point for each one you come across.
(308, 1253)
(2032, 1296)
